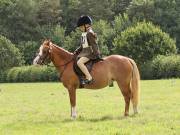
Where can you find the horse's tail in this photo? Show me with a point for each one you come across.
(135, 85)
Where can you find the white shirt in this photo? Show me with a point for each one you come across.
(84, 41)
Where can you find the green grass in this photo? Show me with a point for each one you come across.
(44, 109)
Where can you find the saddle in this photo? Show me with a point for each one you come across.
(89, 66)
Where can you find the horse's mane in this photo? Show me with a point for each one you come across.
(65, 52)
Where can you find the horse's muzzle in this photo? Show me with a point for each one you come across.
(37, 60)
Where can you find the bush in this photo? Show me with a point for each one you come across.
(162, 67)
(55, 33)
(165, 13)
(28, 49)
(32, 74)
(166, 67)
(143, 42)
(72, 41)
(9, 55)
(104, 34)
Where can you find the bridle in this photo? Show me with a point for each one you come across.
(49, 52)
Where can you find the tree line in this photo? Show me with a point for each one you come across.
(140, 29)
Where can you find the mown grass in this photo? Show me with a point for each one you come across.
(43, 109)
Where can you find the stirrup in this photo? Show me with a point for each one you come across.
(86, 81)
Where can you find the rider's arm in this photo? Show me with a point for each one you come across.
(78, 50)
(91, 38)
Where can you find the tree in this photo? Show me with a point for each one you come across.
(72, 41)
(165, 13)
(73, 9)
(104, 33)
(141, 10)
(10, 56)
(143, 42)
(28, 50)
(120, 6)
(49, 12)
(18, 20)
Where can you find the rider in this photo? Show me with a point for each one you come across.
(88, 48)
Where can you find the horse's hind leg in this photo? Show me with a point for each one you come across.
(125, 89)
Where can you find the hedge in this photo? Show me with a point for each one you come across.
(31, 74)
(162, 67)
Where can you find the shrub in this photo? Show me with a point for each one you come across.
(32, 74)
(72, 41)
(28, 49)
(9, 55)
(166, 66)
(162, 67)
(104, 34)
(143, 42)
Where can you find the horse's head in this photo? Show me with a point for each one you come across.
(43, 53)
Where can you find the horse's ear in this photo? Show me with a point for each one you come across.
(43, 40)
(49, 42)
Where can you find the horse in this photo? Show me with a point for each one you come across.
(117, 68)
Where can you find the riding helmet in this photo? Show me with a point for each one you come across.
(84, 20)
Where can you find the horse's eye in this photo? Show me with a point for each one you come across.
(44, 51)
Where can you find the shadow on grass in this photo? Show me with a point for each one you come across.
(104, 118)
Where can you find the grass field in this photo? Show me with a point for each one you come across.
(43, 109)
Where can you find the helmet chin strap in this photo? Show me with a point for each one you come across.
(86, 28)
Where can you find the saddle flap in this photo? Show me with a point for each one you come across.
(89, 66)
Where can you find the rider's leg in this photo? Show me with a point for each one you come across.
(83, 68)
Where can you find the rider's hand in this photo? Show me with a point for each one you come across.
(75, 53)
(98, 56)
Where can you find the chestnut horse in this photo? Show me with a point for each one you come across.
(117, 68)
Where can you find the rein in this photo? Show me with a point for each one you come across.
(59, 65)
(63, 65)
(43, 58)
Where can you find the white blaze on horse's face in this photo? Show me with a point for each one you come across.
(37, 59)
(41, 51)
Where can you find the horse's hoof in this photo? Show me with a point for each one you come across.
(126, 114)
(135, 113)
(73, 117)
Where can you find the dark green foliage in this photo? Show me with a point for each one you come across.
(28, 50)
(72, 41)
(49, 12)
(32, 74)
(120, 6)
(18, 20)
(9, 55)
(104, 33)
(141, 10)
(143, 42)
(73, 9)
(165, 13)
(166, 67)
(56, 33)
(162, 67)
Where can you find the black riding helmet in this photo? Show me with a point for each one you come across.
(84, 20)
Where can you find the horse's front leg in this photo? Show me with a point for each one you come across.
(72, 97)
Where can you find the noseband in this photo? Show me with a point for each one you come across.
(43, 58)
(49, 52)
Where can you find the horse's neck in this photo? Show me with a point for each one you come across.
(60, 56)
